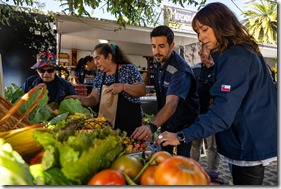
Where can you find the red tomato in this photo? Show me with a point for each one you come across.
(160, 157)
(147, 178)
(37, 159)
(143, 145)
(179, 170)
(127, 164)
(107, 177)
(137, 145)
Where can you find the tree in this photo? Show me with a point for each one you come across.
(261, 21)
(134, 12)
(33, 25)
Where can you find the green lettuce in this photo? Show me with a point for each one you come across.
(79, 155)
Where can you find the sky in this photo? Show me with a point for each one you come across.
(53, 5)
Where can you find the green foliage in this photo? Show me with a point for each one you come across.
(261, 21)
(74, 105)
(38, 25)
(147, 118)
(140, 12)
(13, 93)
(41, 112)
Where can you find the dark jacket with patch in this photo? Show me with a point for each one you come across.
(244, 117)
(188, 107)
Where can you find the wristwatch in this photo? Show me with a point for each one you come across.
(181, 137)
(153, 127)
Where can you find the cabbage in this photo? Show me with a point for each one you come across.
(72, 105)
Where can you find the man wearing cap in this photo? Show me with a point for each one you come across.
(46, 67)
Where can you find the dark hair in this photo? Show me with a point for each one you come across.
(83, 61)
(88, 58)
(80, 64)
(227, 28)
(118, 56)
(163, 31)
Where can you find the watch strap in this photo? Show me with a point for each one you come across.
(181, 137)
(153, 127)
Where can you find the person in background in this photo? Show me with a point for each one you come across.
(116, 70)
(175, 85)
(204, 75)
(85, 72)
(244, 111)
(46, 67)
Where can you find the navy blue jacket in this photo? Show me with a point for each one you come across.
(177, 78)
(244, 112)
(60, 88)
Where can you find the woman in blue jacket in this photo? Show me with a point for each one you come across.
(244, 112)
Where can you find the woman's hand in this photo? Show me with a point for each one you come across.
(115, 88)
(166, 138)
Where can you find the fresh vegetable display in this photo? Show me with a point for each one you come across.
(79, 148)
(132, 145)
(79, 155)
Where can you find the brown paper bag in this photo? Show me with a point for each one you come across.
(108, 105)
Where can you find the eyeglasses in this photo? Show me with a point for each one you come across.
(49, 70)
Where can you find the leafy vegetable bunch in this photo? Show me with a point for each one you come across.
(78, 155)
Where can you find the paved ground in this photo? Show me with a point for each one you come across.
(270, 177)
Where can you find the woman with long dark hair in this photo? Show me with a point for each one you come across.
(123, 79)
(244, 111)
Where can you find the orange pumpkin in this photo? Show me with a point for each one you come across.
(179, 170)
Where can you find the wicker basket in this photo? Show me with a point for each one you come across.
(15, 128)
(10, 117)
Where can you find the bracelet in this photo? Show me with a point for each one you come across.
(153, 127)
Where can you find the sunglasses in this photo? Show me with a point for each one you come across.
(49, 70)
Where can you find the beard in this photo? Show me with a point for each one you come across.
(160, 58)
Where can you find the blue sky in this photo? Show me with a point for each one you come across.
(53, 5)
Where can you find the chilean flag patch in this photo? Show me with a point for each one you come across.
(225, 88)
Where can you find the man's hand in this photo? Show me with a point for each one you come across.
(142, 133)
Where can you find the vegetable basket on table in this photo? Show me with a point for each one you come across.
(15, 127)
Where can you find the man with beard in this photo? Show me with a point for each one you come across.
(175, 86)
